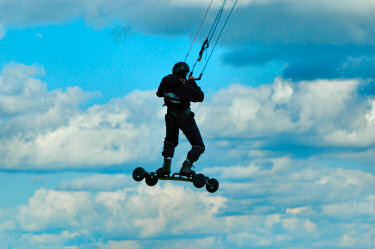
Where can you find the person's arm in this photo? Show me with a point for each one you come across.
(160, 92)
(193, 91)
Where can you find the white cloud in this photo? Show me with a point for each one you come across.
(139, 213)
(321, 102)
(207, 242)
(295, 224)
(262, 202)
(292, 184)
(282, 92)
(351, 209)
(50, 130)
(279, 202)
(242, 111)
(23, 96)
(356, 239)
(362, 137)
(48, 240)
(236, 172)
(52, 209)
(122, 137)
(296, 210)
(321, 112)
(96, 182)
(121, 245)
(254, 240)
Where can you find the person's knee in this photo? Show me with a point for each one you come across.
(201, 148)
(170, 144)
(195, 153)
(168, 150)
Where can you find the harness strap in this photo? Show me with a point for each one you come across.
(177, 113)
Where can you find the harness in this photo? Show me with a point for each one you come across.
(178, 113)
(174, 105)
(171, 98)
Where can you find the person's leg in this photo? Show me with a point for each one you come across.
(191, 131)
(171, 138)
(193, 135)
(170, 143)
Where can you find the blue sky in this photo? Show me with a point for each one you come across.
(288, 122)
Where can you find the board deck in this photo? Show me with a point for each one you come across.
(174, 177)
(198, 180)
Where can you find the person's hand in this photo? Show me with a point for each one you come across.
(191, 77)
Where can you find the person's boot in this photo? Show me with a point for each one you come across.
(166, 169)
(186, 169)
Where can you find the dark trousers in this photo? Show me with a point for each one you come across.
(186, 123)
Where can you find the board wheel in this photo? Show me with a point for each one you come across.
(139, 174)
(151, 180)
(199, 180)
(212, 185)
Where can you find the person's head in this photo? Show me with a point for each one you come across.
(181, 69)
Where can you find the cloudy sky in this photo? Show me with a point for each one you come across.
(288, 122)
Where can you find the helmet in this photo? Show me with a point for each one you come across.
(181, 69)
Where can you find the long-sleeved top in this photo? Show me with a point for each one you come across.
(177, 94)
